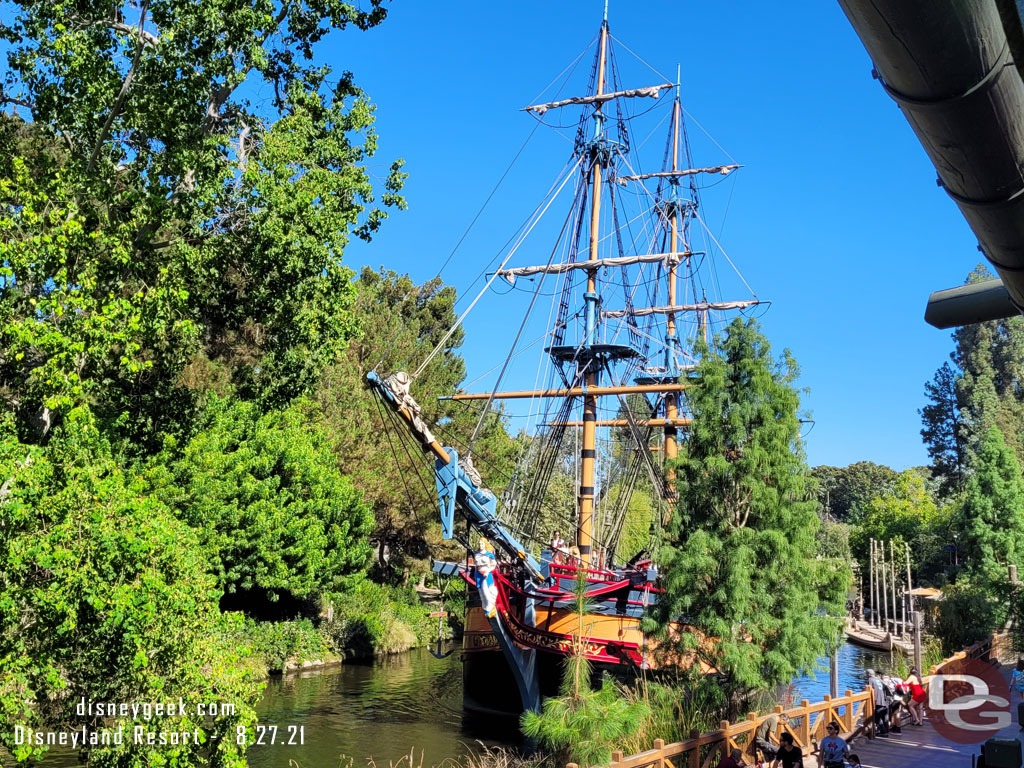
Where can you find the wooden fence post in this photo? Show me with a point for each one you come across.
(616, 757)
(723, 726)
(659, 744)
(805, 725)
(695, 750)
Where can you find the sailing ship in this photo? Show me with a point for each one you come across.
(638, 357)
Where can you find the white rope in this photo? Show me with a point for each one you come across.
(494, 277)
(738, 273)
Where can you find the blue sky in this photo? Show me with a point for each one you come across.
(835, 216)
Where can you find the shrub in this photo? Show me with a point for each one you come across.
(373, 619)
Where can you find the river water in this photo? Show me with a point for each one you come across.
(374, 713)
(382, 710)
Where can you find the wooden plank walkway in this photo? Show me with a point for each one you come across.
(920, 746)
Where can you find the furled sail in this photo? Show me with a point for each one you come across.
(651, 91)
(615, 261)
(723, 170)
(701, 307)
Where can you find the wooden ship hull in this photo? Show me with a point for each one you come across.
(546, 624)
(867, 636)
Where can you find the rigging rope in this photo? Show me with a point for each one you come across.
(483, 290)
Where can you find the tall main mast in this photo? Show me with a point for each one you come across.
(588, 453)
(671, 339)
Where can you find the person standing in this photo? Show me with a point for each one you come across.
(1017, 678)
(789, 755)
(917, 696)
(833, 749)
(881, 707)
(557, 549)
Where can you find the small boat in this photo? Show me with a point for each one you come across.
(864, 634)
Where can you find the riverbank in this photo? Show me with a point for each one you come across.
(369, 621)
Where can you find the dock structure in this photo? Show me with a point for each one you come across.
(915, 746)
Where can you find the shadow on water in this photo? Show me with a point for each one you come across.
(376, 710)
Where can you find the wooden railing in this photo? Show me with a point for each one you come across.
(986, 650)
(806, 723)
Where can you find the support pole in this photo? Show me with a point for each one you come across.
(671, 400)
(833, 672)
(917, 641)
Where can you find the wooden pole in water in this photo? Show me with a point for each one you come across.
(892, 574)
(884, 591)
(871, 585)
(917, 641)
(909, 599)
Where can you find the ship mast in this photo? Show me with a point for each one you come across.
(671, 340)
(588, 453)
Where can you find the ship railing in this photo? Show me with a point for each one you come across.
(806, 723)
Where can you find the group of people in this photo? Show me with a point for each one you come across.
(891, 696)
(833, 751)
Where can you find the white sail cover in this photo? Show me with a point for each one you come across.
(615, 261)
(723, 170)
(650, 92)
(701, 307)
(398, 385)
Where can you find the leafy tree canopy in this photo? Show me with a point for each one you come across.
(161, 227)
(266, 495)
(104, 594)
(900, 516)
(740, 566)
(844, 491)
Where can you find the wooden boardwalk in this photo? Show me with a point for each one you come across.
(920, 746)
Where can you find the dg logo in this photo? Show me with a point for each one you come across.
(968, 702)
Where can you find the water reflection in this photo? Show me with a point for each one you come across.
(375, 710)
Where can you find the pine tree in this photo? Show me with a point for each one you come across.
(992, 516)
(942, 431)
(739, 569)
(980, 390)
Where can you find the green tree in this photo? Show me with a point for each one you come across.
(991, 520)
(987, 368)
(900, 516)
(844, 491)
(943, 430)
(158, 229)
(105, 595)
(402, 324)
(264, 493)
(740, 570)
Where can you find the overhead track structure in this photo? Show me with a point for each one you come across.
(949, 65)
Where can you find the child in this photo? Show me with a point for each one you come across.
(854, 761)
(1017, 678)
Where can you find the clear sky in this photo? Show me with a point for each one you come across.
(835, 216)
